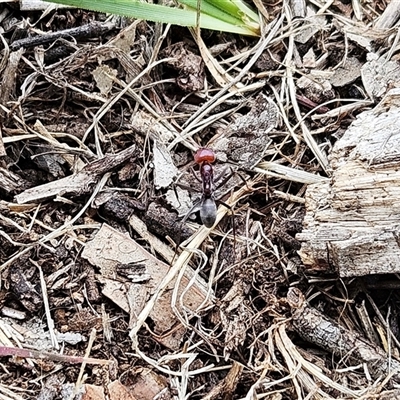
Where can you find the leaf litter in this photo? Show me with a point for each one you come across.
(97, 134)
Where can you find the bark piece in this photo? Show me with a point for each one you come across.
(118, 391)
(379, 75)
(2, 148)
(11, 182)
(298, 8)
(225, 388)
(315, 23)
(117, 206)
(318, 329)
(247, 139)
(79, 183)
(164, 167)
(163, 222)
(24, 290)
(51, 163)
(93, 392)
(347, 73)
(149, 385)
(110, 250)
(104, 77)
(352, 222)
(8, 81)
(190, 67)
(51, 387)
(93, 29)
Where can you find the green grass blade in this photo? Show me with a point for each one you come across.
(210, 9)
(237, 8)
(228, 11)
(159, 13)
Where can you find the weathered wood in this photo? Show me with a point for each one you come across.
(93, 29)
(80, 183)
(11, 182)
(112, 251)
(352, 223)
(37, 5)
(390, 16)
(8, 82)
(318, 329)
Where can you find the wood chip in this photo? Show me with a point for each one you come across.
(110, 249)
(352, 221)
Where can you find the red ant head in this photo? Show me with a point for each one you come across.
(204, 155)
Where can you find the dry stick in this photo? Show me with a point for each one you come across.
(180, 263)
(79, 182)
(2, 148)
(79, 382)
(93, 29)
(390, 16)
(50, 322)
(61, 230)
(7, 84)
(311, 368)
(6, 53)
(316, 328)
(43, 355)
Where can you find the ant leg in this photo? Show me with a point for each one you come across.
(196, 207)
(176, 195)
(243, 180)
(226, 179)
(195, 175)
(233, 222)
(187, 187)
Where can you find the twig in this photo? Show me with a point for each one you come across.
(50, 322)
(316, 328)
(80, 182)
(93, 29)
(43, 355)
(79, 381)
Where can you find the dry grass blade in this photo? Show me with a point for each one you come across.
(50, 321)
(27, 353)
(181, 262)
(281, 171)
(312, 373)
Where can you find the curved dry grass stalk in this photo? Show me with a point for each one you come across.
(177, 268)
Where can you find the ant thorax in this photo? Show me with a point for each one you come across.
(201, 188)
(190, 188)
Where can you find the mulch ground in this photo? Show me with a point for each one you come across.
(110, 283)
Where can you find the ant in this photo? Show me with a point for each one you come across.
(205, 157)
(208, 208)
